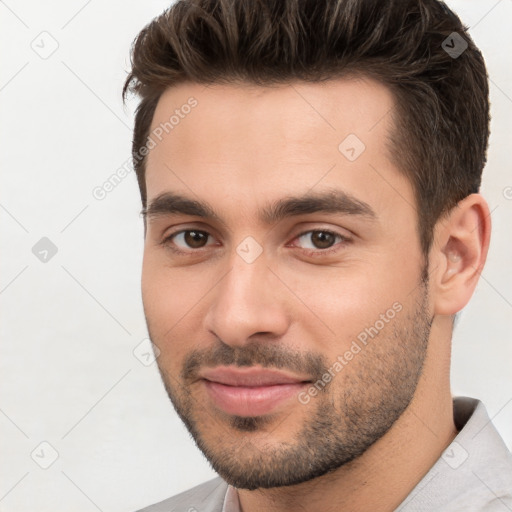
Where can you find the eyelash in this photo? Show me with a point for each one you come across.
(167, 242)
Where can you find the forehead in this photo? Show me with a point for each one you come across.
(256, 143)
(299, 113)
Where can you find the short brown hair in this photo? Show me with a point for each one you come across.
(441, 118)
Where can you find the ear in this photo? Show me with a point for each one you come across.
(458, 254)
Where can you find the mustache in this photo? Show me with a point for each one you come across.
(266, 355)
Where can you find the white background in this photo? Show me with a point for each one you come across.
(70, 325)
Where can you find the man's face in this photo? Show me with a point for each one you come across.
(289, 342)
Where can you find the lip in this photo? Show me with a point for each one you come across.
(250, 377)
(250, 391)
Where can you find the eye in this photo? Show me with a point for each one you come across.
(186, 240)
(314, 242)
(321, 241)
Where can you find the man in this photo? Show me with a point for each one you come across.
(309, 173)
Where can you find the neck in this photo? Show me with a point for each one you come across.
(381, 478)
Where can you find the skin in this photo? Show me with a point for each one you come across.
(387, 416)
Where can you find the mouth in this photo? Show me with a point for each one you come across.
(251, 391)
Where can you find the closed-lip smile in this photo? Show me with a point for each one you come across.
(251, 391)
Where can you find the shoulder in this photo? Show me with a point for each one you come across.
(205, 497)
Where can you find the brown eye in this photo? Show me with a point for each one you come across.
(322, 239)
(187, 240)
(195, 239)
(319, 239)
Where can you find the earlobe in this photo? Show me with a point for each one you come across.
(461, 250)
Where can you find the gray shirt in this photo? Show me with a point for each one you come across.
(474, 474)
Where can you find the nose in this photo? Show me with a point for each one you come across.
(248, 301)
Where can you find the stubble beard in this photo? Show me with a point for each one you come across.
(345, 420)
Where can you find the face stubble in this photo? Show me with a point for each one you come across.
(349, 415)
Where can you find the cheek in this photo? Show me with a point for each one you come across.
(174, 302)
(167, 292)
(337, 304)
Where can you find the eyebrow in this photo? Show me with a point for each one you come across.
(329, 201)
